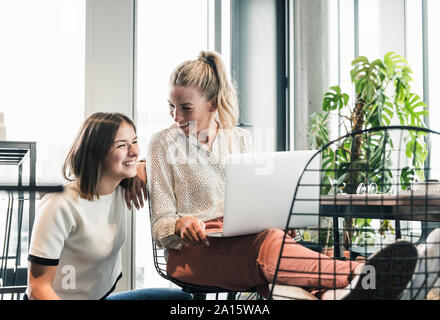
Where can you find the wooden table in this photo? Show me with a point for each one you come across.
(403, 206)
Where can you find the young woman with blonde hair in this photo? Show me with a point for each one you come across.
(185, 168)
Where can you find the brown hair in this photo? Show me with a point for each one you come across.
(208, 75)
(91, 146)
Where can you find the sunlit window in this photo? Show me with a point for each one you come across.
(414, 43)
(165, 38)
(369, 29)
(433, 25)
(42, 61)
(42, 76)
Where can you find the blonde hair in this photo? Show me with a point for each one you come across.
(208, 75)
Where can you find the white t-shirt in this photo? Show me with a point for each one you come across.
(84, 239)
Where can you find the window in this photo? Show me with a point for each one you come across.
(414, 42)
(422, 49)
(42, 90)
(184, 32)
(433, 48)
(42, 77)
(370, 33)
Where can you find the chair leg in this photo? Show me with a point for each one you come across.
(397, 229)
(231, 296)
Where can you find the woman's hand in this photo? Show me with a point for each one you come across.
(136, 187)
(192, 231)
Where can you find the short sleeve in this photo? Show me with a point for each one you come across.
(53, 224)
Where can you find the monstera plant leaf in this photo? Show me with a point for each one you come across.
(334, 99)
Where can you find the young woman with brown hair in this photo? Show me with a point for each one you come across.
(75, 250)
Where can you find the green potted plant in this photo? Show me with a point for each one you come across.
(382, 94)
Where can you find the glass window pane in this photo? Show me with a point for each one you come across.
(414, 43)
(42, 60)
(433, 8)
(347, 51)
(183, 34)
(42, 77)
(369, 29)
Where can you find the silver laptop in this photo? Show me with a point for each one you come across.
(259, 189)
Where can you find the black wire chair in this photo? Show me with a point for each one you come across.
(198, 292)
(376, 186)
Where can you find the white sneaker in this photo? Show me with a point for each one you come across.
(427, 269)
(286, 292)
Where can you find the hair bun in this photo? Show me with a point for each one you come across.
(207, 58)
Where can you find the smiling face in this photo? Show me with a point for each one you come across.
(190, 110)
(120, 162)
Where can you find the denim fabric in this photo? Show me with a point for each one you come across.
(151, 294)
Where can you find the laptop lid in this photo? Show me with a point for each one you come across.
(259, 189)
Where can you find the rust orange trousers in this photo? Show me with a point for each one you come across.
(244, 262)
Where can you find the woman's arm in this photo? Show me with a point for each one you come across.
(40, 279)
(163, 204)
(169, 229)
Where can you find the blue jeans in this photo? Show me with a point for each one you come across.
(151, 294)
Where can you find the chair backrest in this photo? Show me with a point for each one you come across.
(379, 184)
(160, 265)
